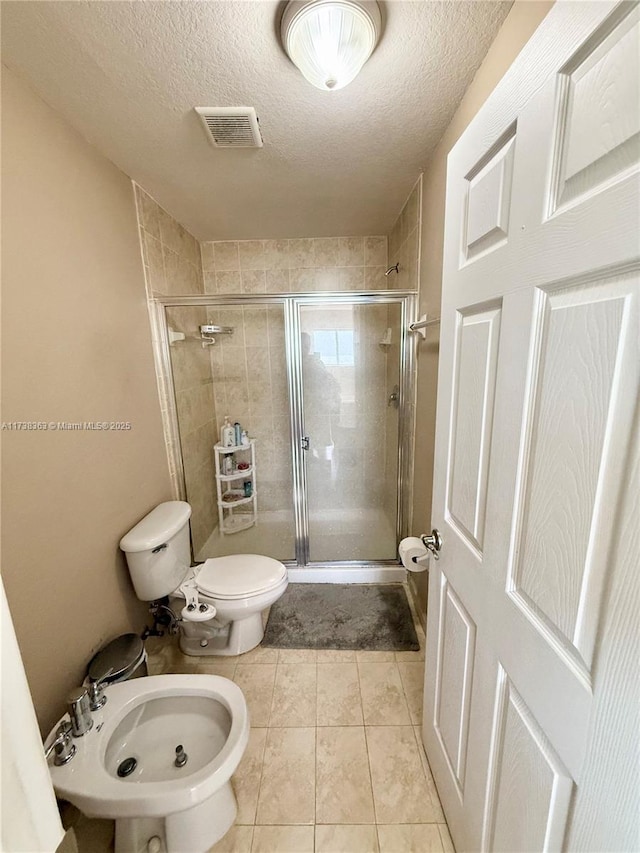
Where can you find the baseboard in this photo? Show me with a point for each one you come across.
(369, 574)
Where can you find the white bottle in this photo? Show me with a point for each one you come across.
(227, 434)
(245, 439)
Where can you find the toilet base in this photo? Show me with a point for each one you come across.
(244, 635)
(197, 829)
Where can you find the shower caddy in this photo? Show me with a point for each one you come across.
(231, 485)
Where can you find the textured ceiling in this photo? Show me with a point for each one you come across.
(128, 74)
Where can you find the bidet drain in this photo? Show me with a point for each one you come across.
(126, 767)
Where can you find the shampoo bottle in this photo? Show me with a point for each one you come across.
(228, 436)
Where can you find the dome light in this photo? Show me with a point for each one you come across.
(330, 40)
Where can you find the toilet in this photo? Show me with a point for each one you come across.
(220, 602)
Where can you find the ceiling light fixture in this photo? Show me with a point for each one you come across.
(330, 40)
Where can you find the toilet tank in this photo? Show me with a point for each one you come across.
(158, 550)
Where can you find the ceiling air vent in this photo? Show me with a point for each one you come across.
(231, 127)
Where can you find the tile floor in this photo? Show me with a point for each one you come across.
(335, 762)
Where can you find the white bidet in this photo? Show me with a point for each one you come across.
(159, 760)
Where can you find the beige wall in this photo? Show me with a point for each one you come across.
(76, 347)
(522, 21)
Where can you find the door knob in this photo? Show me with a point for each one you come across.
(433, 543)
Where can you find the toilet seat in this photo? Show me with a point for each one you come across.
(239, 576)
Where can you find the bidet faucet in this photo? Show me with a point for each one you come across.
(79, 711)
(62, 745)
(97, 699)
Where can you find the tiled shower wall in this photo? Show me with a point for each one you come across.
(172, 266)
(404, 241)
(296, 266)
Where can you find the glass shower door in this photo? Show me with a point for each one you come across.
(350, 368)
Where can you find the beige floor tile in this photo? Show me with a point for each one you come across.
(256, 682)
(433, 791)
(246, 779)
(287, 790)
(410, 657)
(412, 675)
(261, 654)
(346, 839)
(343, 783)
(282, 839)
(216, 667)
(237, 840)
(297, 655)
(294, 695)
(383, 701)
(400, 790)
(339, 702)
(414, 838)
(375, 657)
(336, 656)
(447, 843)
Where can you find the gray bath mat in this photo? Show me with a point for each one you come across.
(342, 616)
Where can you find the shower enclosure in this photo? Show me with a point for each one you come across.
(322, 384)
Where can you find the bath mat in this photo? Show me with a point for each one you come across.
(375, 617)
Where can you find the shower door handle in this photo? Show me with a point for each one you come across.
(304, 442)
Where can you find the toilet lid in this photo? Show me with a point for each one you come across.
(238, 575)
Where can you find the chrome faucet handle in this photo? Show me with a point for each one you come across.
(62, 745)
(79, 711)
(97, 698)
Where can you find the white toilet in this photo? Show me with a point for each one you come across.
(220, 602)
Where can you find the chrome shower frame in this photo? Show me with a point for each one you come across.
(292, 303)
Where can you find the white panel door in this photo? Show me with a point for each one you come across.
(531, 688)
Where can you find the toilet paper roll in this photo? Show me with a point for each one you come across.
(413, 554)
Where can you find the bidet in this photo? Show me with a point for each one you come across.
(159, 760)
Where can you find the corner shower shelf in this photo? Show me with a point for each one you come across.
(230, 522)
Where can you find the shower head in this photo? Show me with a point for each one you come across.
(395, 269)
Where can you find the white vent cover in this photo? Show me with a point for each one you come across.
(231, 127)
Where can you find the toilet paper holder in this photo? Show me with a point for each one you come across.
(432, 542)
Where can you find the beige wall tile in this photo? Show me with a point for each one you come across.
(226, 256)
(277, 280)
(287, 790)
(351, 252)
(326, 251)
(182, 277)
(209, 279)
(206, 255)
(339, 702)
(155, 261)
(347, 839)
(410, 838)
(246, 779)
(395, 770)
(383, 701)
(256, 682)
(253, 281)
(375, 251)
(343, 783)
(301, 254)
(276, 254)
(302, 280)
(251, 255)
(228, 281)
(375, 278)
(283, 839)
(148, 212)
(294, 695)
(351, 278)
(327, 279)
(412, 675)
